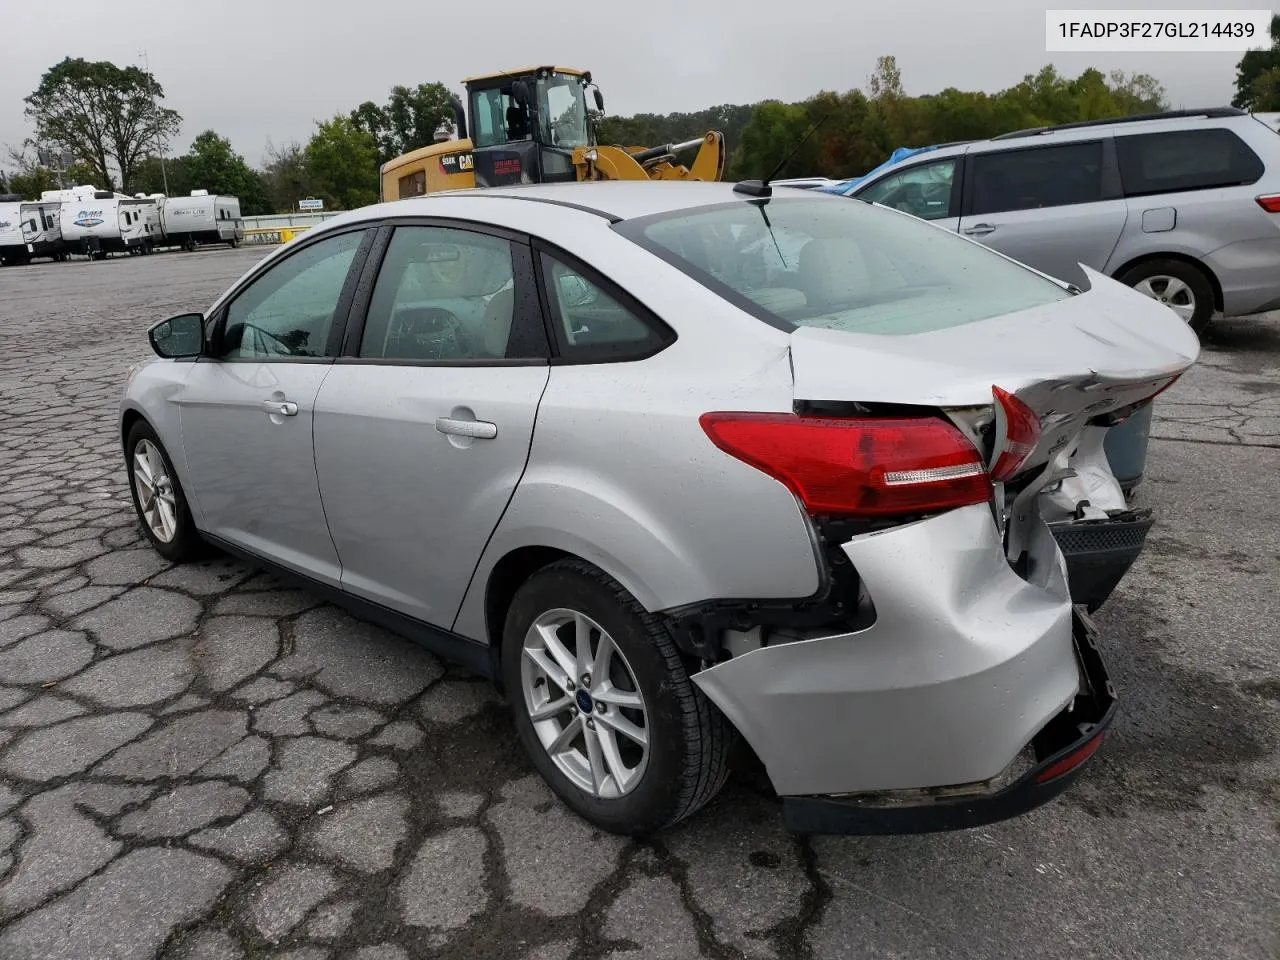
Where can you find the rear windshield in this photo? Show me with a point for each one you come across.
(840, 264)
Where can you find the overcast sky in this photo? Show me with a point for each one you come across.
(259, 69)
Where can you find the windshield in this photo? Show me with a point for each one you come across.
(563, 113)
(841, 265)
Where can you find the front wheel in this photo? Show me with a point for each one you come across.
(1179, 285)
(604, 705)
(158, 497)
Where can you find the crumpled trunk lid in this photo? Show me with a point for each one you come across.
(1069, 361)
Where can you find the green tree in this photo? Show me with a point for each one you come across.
(1253, 65)
(1265, 90)
(175, 179)
(342, 162)
(775, 129)
(107, 115)
(286, 176)
(214, 166)
(408, 121)
(1137, 93)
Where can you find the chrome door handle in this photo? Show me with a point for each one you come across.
(979, 230)
(280, 408)
(479, 429)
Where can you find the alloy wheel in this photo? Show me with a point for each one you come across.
(586, 707)
(154, 489)
(1172, 292)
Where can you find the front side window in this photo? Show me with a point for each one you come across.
(289, 310)
(1185, 160)
(442, 294)
(496, 118)
(562, 111)
(924, 191)
(840, 264)
(1040, 177)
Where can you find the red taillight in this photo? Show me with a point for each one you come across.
(1271, 203)
(1071, 760)
(1020, 427)
(857, 466)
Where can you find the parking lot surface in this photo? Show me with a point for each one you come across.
(202, 762)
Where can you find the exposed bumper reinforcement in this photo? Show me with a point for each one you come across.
(1061, 748)
(1099, 553)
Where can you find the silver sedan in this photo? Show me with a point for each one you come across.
(676, 464)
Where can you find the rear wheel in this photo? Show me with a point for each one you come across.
(604, 705)
(158, 497)
(1179, 285)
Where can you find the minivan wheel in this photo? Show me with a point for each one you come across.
(1177, 284)
(604, 706)
(158, 498)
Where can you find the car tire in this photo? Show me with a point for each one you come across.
(159, 500)
(1188, 284)
(629, 789)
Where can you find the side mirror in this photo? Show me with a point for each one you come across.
(599, 99)
(178, 338)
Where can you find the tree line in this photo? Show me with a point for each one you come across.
(111, 120)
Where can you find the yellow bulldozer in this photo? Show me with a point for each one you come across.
(533, 125)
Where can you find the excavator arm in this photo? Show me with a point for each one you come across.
(654, 163)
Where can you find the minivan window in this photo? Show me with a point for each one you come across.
(1039, 177)
(840, 264)
(1185, 160)
(923, 191)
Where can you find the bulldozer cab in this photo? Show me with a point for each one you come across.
(525, 125)
(534, 125)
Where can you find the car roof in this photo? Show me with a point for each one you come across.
(615, 200)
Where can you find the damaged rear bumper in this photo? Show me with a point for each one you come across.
(1061, 751)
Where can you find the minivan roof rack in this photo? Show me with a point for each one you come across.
(1212, 113)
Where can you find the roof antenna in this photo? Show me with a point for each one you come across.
(761, 188)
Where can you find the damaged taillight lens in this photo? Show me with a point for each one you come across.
(862, 467)
(1019, 427)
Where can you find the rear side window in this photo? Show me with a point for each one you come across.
(840, 264)
(1041, 177)
(1185, 160)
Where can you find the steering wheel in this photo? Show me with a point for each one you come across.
(428, 333)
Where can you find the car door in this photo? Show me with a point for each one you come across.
(1052, 207)
(247, 411)
(424, 426)
(928, 190)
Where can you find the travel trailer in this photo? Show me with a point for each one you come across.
(12, 249)
(200, 218)
(42, 229)
(106, 222)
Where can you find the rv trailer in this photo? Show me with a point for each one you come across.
(12, 249)
(42, 229)
(200, 218)
(107, 222)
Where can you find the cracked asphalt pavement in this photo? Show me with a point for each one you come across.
(203, 762)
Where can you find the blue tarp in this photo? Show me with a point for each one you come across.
(846, 187)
